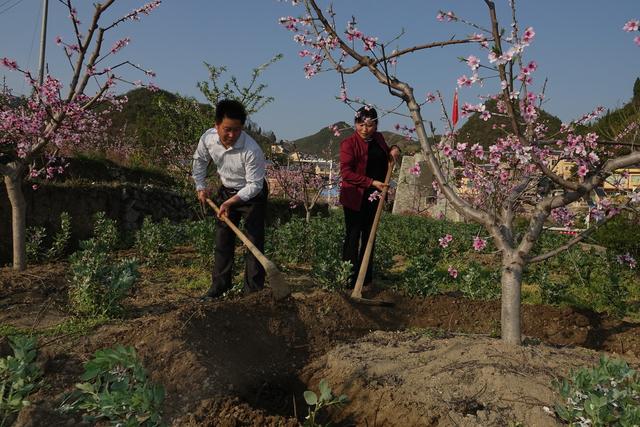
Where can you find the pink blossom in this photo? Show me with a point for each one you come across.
(528, 35)
(415, 170)
(485, 115)
(582, 171)
(464, 81)
(445, 240)
(374, 196)
(635, 197)
(636, 40)
(9, 63)
(479, 243)
(627, 259)
(335, 130)
(369, 42)
(631, 25)
(473, 62)
(120, 44)
(453, 272)
(430, 97)
(58, 40)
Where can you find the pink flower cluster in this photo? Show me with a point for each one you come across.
(120, 44)
(318, 46)
(604, 208)
(563, 216)
(448, 16)
(479, 243)
(445, 240)
(632, 26)
(415, 170)
(405, 130)
(627, 259)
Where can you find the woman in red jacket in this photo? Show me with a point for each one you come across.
(364, 159)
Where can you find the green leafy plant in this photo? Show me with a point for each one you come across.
(105, 231)
(478, 282)
(34, 241)
(154, 241)
(96, 284)
(422, 276)
(552, 291)
(19, 377)
(318, 402)
(116, 387)
(61, 238)
(201, 235)
(287, 243)
(36, 236)
(607, 395)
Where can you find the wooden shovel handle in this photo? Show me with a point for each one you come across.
(357, 290)
(266, 263)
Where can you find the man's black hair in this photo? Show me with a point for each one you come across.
(231, 109)
(366, 112)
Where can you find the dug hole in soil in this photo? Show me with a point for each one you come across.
(247, 361)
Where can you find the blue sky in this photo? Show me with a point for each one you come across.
(579, 46)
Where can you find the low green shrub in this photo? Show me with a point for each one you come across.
(34, 241)
(480, 283)
(201, 235)
(620, 234)
(607, 395)
(155, 240)
(288, 243)
(19, 377)
(422, 276)
(96, 283)
(105, 231)
(61, 239)
(116, 388)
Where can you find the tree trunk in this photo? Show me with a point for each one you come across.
(13, 183)
(307, 215)
(512, 267)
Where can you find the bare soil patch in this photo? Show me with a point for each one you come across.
(246, 361)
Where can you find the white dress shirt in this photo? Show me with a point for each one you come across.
(241, 166)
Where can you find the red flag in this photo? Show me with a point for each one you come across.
(454, 113)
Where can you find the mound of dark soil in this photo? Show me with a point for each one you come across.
(248, 360)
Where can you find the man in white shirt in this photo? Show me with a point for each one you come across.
(241, 165)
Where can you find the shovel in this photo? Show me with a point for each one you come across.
(356, 295)
(279, 285)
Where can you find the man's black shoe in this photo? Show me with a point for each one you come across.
(208, 298)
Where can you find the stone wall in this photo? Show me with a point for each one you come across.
(415, 194)
(128, 204)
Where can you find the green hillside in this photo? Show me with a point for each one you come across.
(476, 130)
(325, 144)
(143, 121)
(616, 121)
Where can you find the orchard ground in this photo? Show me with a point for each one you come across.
(246, 360)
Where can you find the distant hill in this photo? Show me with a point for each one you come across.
(615, 121)
(476, 130)
(142, 121)
(325, 144)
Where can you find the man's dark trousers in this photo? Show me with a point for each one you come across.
(253, 211)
